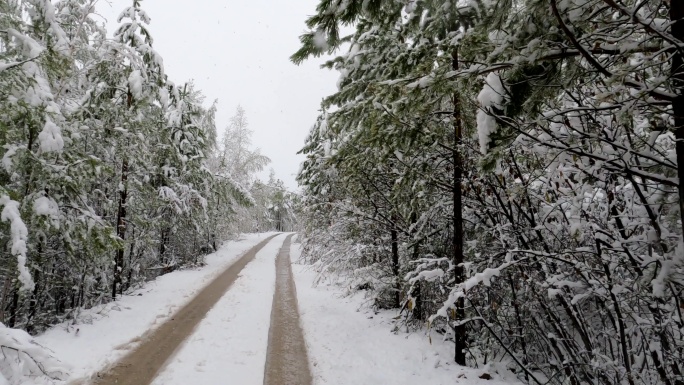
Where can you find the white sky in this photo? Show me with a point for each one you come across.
(238, 52)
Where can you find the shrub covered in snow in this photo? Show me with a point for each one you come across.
(23, 361)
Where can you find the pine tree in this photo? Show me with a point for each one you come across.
(104, 159)
(562, 117)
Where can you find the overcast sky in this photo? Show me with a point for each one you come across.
(237, 52)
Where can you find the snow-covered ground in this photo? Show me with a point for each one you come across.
(105, 333)
(348, 343)
(229, 345)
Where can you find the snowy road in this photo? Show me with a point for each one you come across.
(141, 365)
(223, 335)
(254, 328)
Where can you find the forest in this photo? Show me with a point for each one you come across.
(506, 174)
(502, 174)
(111, 174)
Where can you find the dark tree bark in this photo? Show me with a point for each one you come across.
(416, 294)
(33, 301)
(120, 230)
(162, 245)
(129, 266)
(677, 30)
(14, 307)
(460, 337)
(395, 267)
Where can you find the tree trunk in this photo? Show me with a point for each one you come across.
(395, 267)
(677, 30)
(33, 302)
(162, 244)
(14, 307)
(460, 329)
(120, 229)
(416, 294)
(129, 266)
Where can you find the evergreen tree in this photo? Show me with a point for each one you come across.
(108, 168)
(558, 120)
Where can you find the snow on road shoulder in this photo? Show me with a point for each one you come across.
(105, 333)
(351, 344)
(229, 345)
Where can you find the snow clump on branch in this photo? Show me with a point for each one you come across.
(491, 96)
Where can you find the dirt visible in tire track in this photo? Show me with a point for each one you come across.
(286, 360)
(140, 366)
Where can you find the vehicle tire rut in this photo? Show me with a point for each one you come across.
(286, 359)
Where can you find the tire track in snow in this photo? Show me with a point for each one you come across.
(140, 366)
(286, 360)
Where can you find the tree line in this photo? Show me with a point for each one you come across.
(111, 174)
(506, 172)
